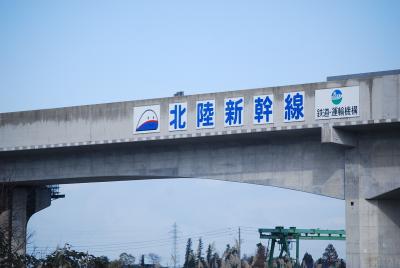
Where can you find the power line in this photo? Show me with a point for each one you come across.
(154, 242)
(149, 245)
(166, 238)
(144, 243)
(249, 227)
(119, 248)
(175, 239)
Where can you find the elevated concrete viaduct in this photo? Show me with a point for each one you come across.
(353, 155)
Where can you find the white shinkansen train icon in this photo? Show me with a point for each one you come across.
(148, 121)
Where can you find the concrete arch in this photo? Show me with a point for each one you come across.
(292, 161)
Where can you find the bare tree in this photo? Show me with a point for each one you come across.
(126, 259)
(155, 259)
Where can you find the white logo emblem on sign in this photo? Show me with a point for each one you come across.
(337, 103)
(146, 119)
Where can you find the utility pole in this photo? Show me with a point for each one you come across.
(175, 245)
(240, 243)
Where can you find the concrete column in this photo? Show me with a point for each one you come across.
(373, 233)
(18, 204)
(361, 217)
(373, 224)
(361, 234)
(5, 212)
(19, 219)
(389, 232)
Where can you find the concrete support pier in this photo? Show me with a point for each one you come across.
(373, 228)
(372, 212)
(17, 205)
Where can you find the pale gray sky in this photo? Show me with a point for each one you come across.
(63, 53)
(137, 216)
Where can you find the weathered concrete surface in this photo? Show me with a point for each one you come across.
(379, 163)
(356, 159)
(113, 122)
(334, 135)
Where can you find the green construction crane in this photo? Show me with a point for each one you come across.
(284, 237)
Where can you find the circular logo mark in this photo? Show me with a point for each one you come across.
(336, 96)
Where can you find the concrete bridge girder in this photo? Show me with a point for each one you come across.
(356, 159)
(293, 161)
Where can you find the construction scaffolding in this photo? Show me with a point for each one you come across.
(55, 191)
(284, 237)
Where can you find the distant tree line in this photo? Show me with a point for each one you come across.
(66, 257)
(231, 259)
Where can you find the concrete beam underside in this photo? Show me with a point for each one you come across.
(295, 162)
